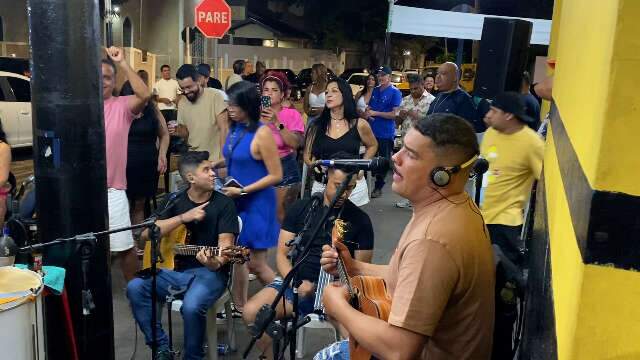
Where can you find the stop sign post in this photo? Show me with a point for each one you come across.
(213, 18)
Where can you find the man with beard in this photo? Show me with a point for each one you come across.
(441, 275)
(202, 119)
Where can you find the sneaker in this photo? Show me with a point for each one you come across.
(404, 204)
(376, 193)
(164, 355)
(252, 277)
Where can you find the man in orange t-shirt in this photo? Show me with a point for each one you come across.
(442, 274)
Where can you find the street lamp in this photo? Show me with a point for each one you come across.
(111, 14)
(387, 37)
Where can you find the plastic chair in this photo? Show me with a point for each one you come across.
(224, 302)
(316, 323)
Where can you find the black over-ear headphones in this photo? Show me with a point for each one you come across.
(441, 176)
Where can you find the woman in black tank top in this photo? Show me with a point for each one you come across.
(339, 129)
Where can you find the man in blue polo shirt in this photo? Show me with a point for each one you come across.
(381, 114)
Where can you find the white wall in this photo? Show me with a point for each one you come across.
(14, 20)
(296, 59)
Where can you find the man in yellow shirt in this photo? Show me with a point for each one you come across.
(515, 154)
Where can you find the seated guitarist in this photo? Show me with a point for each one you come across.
(441, 276)
(211, 219)
(358, 239)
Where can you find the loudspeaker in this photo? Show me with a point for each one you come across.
(504, 48)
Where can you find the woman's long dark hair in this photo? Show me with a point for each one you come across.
(244, 95)
(365, 90)
(3, 135)
(321, 124)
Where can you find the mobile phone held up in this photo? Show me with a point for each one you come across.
(266, 102)
(231, 182)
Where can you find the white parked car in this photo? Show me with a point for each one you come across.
(15, 108)
(357, 82)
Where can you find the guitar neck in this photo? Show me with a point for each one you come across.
(193, 250)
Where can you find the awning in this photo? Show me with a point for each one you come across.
(456, 25)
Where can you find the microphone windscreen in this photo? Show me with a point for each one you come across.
(481, 166)
(380, 164)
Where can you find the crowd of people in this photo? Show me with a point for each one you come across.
(245, 148)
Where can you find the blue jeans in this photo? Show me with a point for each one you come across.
(203, 286)
(385, 149)
(305, 304)
(290, 171)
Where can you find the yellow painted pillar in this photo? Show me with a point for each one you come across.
(590, 193)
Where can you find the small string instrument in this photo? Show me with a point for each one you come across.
(368, 294)
(175, 243)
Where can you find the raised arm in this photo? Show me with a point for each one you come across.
(140, 89)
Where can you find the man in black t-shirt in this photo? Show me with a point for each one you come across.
(211, 219)
(358, 238)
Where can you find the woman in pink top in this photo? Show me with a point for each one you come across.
(287, 128)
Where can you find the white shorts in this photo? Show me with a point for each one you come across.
(359, 196)
(119, 217)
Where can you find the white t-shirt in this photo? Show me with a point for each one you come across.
(168, 89)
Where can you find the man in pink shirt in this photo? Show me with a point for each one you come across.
(119, 112)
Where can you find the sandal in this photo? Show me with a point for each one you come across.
(235, 313)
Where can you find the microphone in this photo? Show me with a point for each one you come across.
(481, 166)
(375, 164)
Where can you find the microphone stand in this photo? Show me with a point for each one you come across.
(86, 244)
(266, 315)
(86, 247)
(478, 184)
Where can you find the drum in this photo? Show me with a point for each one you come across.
(21, 333)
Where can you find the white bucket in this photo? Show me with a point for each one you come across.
(21, 321)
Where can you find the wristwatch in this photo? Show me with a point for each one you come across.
(242, 192)
(281, 126)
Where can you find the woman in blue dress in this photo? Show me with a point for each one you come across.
(251, 158)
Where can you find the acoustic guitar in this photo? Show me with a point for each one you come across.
(176, 243)
(368, 294)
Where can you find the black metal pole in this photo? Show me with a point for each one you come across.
(387, 36)
(109, 33)
(69, 163)
(478, 187)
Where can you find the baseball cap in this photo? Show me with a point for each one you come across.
(512, 102)
(385, 69)
(204, 69)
